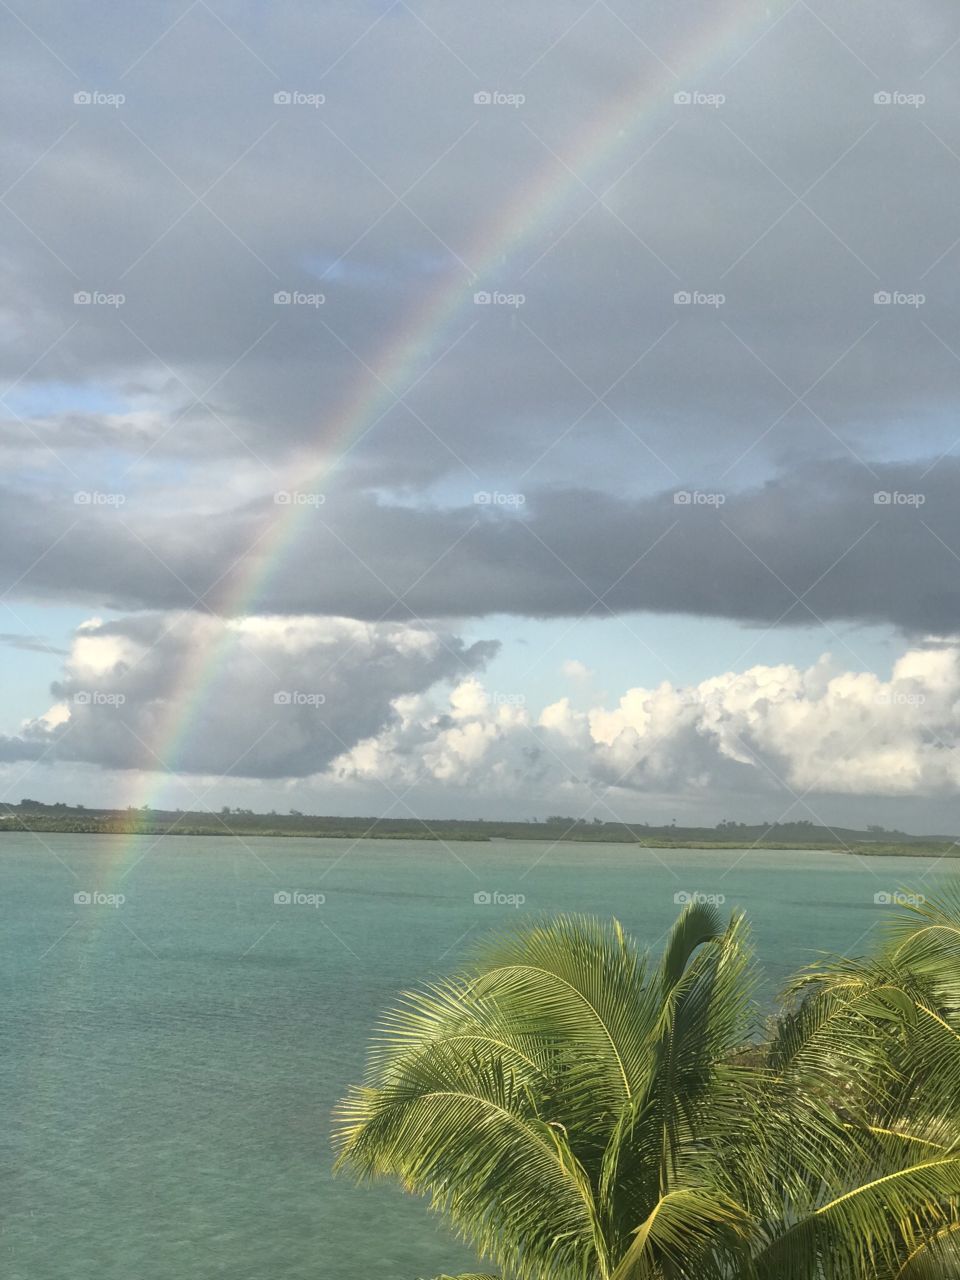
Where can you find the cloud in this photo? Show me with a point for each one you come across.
(144, 440)
(696, 200)
(276, 697)
(766, 731)
(574, 669)
(824, 543)
(380, 708)
(28, 643)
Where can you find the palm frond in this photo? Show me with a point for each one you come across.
(561, 1091)
(691, 1232)
(580, 985)
(935, 1258)
(465, 1133)
(868, 1230)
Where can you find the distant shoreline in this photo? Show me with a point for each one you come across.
(914, 849)
(75, 821)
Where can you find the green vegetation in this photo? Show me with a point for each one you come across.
(32, 815)
(578, 1112)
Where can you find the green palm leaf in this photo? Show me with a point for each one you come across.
(686, 1229)
(580, 1114)
(865, 1231)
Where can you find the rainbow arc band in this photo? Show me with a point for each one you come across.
(737, 26)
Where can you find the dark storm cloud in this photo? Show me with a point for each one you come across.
(296, 197)
(826, 542)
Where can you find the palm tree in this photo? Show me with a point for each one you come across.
(879, 1041)
(579, 1113)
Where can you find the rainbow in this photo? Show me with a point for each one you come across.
(738, 25)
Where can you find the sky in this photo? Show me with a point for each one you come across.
(439, 410)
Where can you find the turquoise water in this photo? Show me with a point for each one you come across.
(168, 1065)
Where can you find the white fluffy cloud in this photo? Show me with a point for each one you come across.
(574, 669)
(388, 706)
(819, 731)
(260, 697)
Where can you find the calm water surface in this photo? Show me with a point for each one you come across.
(168, 1066)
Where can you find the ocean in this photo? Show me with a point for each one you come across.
(168, 1063)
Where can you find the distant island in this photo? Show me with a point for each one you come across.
(34, 815)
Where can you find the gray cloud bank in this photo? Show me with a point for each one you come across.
(826, 542)
(303, 198)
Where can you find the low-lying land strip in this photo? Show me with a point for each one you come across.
(874, 841)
